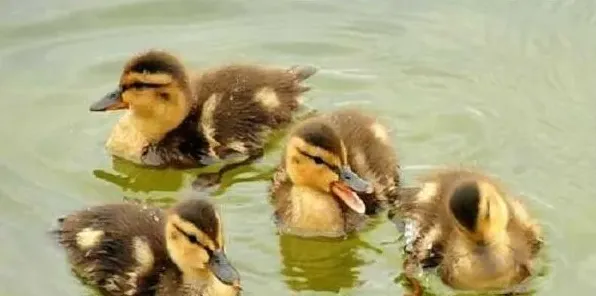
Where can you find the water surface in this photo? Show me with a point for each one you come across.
(505, 85)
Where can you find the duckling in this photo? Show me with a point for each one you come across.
(337, 169)
(176, 118)
(465, 223)
(132, 249)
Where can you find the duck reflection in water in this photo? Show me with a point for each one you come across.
(134, 178)
(131, 177)
(320, 264)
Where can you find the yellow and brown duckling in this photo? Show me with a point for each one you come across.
(465, 223)
(132, 249)
(180, 119)
(336, 169)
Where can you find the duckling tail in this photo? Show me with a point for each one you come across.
(302, 72)
(55, 230)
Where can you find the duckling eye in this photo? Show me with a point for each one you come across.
(317, 160)
(192, 239)
(137, 85)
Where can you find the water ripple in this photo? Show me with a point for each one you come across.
(505, 85)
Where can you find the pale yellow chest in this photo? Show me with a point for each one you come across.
(314, 212)
(206, 285)
(217, 288)
(125, 141)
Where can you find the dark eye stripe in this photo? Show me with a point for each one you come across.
(193, 239)
(139, 85)
(319, 160)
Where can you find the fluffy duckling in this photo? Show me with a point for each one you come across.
(464, 222)
(179, 119)
(336, 169)
(131, 249)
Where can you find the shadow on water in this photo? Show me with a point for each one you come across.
(320, 264)
(236, 176)
(431, 285)
(131, 177)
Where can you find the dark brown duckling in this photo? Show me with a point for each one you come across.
(132, 249)
(178, 119)
(463, 221)
(337, 168)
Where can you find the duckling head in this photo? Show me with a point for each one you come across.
(480, 211)
(195, 243)
(316, 158)
(155, 87)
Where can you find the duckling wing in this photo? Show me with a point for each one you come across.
(116, 248)
(279, 193)
(531, 229)
(402, 206)
(238, 105)
(183, 147)
(236, 121)
(419, 224)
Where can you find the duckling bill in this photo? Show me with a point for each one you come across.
(175, 118)
(348, 184)
(479, 236)
(337, 169)
(132, 249)
(348, 187)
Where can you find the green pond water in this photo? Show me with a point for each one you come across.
(509, 86)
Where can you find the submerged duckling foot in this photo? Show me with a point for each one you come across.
(412, 284)
(415, 286)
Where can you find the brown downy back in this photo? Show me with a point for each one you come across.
(238, 105)
(450, 195)
(116, 229)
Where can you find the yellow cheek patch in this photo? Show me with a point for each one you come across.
(493, 215)
(128, 96)
(304, 171)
